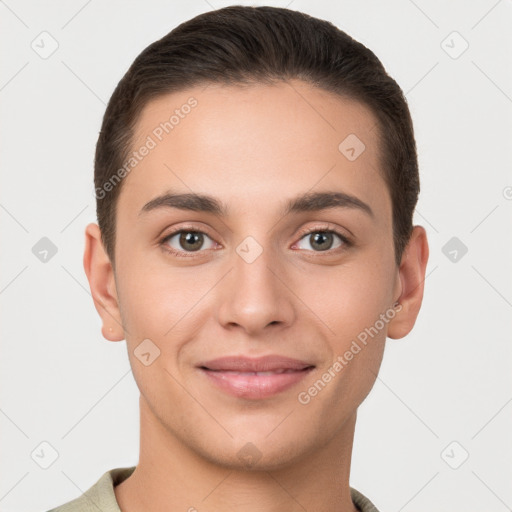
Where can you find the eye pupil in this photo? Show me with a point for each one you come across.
(319, 238)
(188, 237)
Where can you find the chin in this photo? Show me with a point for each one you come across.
(260, 454)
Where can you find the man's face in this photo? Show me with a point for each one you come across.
(252, 282)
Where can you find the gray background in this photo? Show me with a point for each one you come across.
(444, 392)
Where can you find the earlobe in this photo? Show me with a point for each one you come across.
(100, 275)
(412, 277)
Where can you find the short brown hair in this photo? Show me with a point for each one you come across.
(244, 45)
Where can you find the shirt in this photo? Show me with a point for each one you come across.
(101, 496)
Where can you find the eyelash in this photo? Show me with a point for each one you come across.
(189, 229)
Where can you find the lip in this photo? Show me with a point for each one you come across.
(255, 364)
(242, 377)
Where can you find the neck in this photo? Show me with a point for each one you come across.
(171, 475)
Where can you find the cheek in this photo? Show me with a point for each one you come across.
(152, 304)
(348, 298)
(349, 304)
(141, 302)
(162, 304)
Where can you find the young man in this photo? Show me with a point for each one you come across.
(256, 177)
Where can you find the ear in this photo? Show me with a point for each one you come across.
(100, 275)
(412, 277)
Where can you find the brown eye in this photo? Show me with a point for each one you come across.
(190, 240)
(323, 240)
(186, 241)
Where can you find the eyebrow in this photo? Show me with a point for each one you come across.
(310, 201)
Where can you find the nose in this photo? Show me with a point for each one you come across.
(256, 293)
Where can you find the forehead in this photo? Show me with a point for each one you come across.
(254, 142)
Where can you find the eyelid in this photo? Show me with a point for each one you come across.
(323, 228)
(187, 228)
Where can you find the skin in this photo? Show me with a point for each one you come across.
(253, 148)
